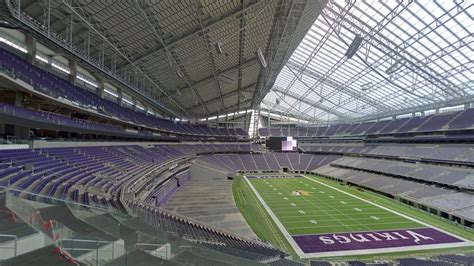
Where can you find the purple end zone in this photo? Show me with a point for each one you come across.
(372, 240)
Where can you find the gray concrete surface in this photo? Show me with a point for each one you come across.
(208, 198)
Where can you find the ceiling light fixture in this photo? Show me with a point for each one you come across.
(219, 47)
(261, 58)
(179, 73)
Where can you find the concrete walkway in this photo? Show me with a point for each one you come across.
(208, 198)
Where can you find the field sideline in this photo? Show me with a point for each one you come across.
(316, 217)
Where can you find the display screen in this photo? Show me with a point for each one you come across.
(281, 144)
(289, 144)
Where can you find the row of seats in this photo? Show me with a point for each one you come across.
(460, 204)
(222, 241)
(459, 120)
(97, 175)
(54, 86)
(163, 190)
(70, 172)
(268, 161)
(56, 119)
(441, 175)
(435, 152)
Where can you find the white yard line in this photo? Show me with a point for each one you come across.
(331, 220)
(312, 213)
(275, 219)
(390, 210)
(303, 255)
(331, 226)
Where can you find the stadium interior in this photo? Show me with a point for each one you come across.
(236, 132)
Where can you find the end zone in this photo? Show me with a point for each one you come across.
(369, 242)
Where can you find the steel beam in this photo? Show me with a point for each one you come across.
(308, 102)
(158, 34)
(209, 24)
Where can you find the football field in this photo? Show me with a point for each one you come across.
(319, 219)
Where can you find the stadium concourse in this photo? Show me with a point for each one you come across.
(240, 132)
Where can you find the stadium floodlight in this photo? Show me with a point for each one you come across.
(261, 58)
(179, 73)
(354, 46)
(366, 86)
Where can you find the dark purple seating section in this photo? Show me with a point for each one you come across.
(59, 172)
(54, 86)
(436, 122)
(268, 161)
(56, 119)
(160, 195)
(95, 176)
(221, 241)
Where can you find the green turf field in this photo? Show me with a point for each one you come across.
(322, 209)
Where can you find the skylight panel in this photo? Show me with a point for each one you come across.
(447, 4)
(408, 86)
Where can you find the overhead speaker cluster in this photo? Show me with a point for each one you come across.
(354, 46)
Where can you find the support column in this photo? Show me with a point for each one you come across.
(72, 72)
(134, 100)
(19, 131)
(119, 98)
(19, 97)
(268, 117)
(100, 87)
(30, 48)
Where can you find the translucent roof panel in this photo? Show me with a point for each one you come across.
(413, 56)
